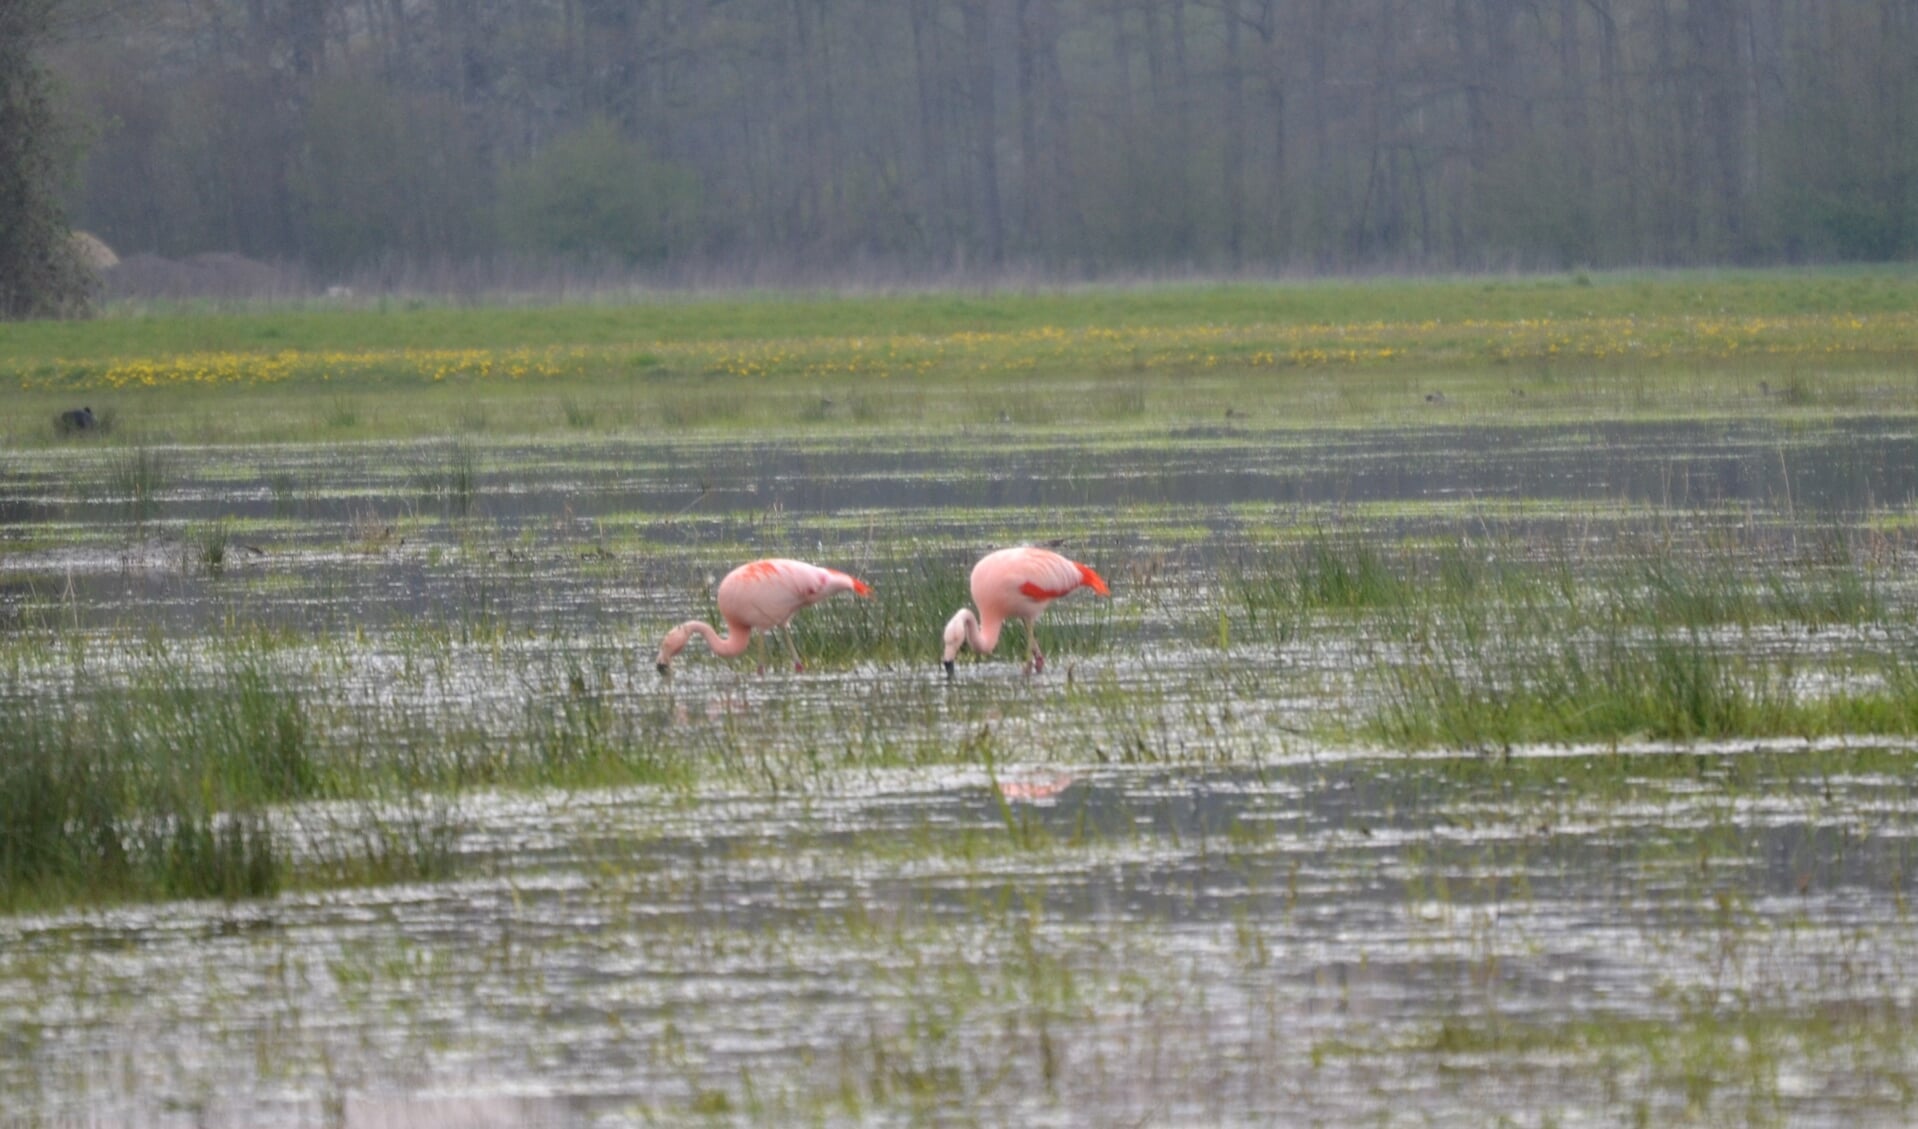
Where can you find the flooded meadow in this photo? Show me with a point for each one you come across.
(1446, 773)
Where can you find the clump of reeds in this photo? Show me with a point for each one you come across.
(167, 787)
(1483, 645)
(1623, 682)
(1278, 589)
(1525, 691)
(289, 492)
(573, 735)
(138, 476)
(452, 480)
(1405, 589)
(206, 547)
(94, 808)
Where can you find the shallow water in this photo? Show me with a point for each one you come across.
(1222, 945)
(580, 533)
(1133, 889)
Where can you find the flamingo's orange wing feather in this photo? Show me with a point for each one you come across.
(1038, 592)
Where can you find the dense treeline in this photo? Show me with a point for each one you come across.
(1077, 135)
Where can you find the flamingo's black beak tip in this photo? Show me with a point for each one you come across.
(665, 670)
(949, 668)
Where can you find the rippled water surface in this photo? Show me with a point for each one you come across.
(581, 532)
(1144, 887)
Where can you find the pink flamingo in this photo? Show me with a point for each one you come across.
(1015, 584)
(764, 595)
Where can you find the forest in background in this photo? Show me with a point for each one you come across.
(1076, 137)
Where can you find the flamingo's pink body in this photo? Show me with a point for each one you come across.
(1015, 584)
(761, 595)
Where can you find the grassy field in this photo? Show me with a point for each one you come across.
(1276, 354)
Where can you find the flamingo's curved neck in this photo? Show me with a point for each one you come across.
(983, 636)
(725, 646)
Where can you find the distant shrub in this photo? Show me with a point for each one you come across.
(595, 193)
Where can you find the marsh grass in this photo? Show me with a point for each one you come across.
(1707, 1062)
(167, 787)
(817, 409)
(1125, 400)
(574, 735)
(1494, 644)
(1840, 582)
(97, 806)
(133, 774)
(696, 407)
(409, 838)
(290, 493)
(450, 479)
(1280, 590)
(867, 405)
(137, 477)
(1516, 694)
(1620, 684)
(247, 739)
(1645, 582)
(205, 546)
(1328, 574)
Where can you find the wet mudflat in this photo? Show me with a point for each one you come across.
(1205, 868)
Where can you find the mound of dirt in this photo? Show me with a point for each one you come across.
(212, 274)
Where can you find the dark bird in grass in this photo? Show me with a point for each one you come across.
(76, 419)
